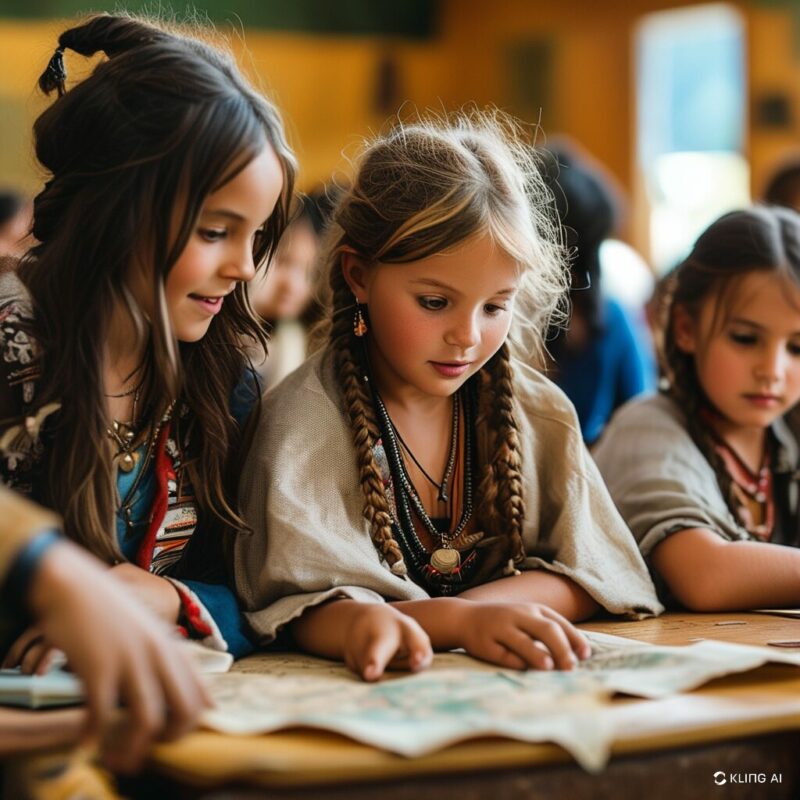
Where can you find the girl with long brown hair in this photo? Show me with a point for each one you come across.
(126, 387)
(417, 459)
(705, 473)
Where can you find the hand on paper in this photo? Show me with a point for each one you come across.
(379, 636)
(520, 636)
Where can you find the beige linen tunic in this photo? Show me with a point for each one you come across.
(662, 483)
(310, 542)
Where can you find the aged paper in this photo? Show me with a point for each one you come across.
(460, 698)
(416, 714)
(647, 670)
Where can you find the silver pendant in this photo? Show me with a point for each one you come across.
(445, 560)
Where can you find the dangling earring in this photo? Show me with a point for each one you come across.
(359, 323)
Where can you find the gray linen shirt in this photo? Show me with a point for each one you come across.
(310, 542)
(662, 483)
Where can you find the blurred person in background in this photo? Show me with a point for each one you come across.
(783, 188)
(15, 222)
(602, 359)
(284, 295)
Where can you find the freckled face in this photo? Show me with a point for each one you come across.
(436, 321)
(749, 367)
(219, 252)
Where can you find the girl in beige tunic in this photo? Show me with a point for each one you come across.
(415, 485)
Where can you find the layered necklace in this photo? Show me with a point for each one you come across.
(123, 434)
(128, 455)
(444, 567)
(753, 489)
(127, 503)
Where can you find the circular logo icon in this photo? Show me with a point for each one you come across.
(719, 778)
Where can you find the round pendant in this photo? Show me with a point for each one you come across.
(445, 560)
(127, 462)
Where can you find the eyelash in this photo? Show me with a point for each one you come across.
(440, 304)
(749, 340)
(212, 234)
(745, 339)
(433, 303)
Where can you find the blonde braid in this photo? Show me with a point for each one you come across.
(360, 412)
(501, 505)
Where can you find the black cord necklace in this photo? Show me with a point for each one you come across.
(451, 459)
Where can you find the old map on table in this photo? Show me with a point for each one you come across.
(460, 698)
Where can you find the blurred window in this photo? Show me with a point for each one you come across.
(690, 123)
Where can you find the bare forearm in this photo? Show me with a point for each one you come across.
(321, 630)
(538, 586)
(706, 573)
(440, 618)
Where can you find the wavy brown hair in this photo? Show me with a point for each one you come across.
(426, 188)
(131, 153)
(759, 239)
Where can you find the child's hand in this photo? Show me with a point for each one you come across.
(521, 636)
(379, 636)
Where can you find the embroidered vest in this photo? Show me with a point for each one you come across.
(23, 445)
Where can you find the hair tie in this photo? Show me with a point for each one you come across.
(55, 71)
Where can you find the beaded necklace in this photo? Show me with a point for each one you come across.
(444, 568)
(752, 490)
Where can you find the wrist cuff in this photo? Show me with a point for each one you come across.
(18, 578)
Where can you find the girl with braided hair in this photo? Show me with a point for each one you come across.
(125, 388)
(705, 473)
(416, 459)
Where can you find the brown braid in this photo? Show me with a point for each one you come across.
(501, 508)
(685, 390)
(360, 412)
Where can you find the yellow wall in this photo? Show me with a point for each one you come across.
(24, 51)
(326, 85)
(774, 67)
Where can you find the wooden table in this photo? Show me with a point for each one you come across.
(670, 748)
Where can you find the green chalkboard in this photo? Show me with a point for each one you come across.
(406, 18)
